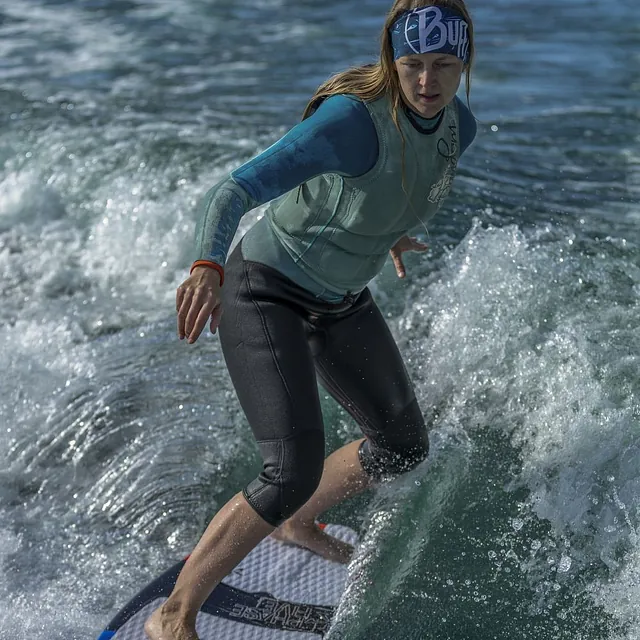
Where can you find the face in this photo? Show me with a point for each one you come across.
(429, 81)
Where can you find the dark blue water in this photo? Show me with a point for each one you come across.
(520, 326)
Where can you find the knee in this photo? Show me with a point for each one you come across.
(398, 448)
(381, 463)
(290, 475)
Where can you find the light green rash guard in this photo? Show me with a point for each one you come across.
(333, 234)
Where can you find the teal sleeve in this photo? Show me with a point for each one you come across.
(219, 216)
(339, 137)
(468, 126)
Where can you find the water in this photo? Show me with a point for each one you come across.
(520, 326)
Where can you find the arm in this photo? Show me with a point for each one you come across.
(338, 138)
(468, 125)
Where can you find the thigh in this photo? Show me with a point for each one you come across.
(361, 366)
(265, 347)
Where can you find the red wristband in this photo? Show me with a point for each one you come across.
(211, 265)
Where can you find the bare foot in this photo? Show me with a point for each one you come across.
(314, 539)
(162, 625)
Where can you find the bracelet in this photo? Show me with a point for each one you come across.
(211, 265)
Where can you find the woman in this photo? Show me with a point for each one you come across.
(373, 157)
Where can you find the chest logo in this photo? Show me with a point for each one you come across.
(447, 149)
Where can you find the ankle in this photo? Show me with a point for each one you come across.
(176, 608)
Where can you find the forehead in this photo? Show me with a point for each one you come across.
(429, 58)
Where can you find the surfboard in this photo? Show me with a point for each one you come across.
(278, 592)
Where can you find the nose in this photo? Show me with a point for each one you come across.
(427, 77)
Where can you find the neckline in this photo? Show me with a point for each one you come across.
(424, 125)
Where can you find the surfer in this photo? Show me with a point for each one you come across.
(372, 159)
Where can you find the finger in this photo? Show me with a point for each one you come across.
(215, 318)
(179, 297)
(199, 324)
(397, 261)
(182, 313)
(201, 307)
(416, 245)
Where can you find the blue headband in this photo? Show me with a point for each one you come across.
(430, 30)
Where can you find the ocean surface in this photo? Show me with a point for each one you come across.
(520, 326)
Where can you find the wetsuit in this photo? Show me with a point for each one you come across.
(296, 305)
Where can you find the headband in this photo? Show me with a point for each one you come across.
(430, 30)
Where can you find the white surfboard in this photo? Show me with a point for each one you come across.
(278, 592)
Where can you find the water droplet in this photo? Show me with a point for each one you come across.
(565, 564)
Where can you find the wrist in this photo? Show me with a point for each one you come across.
(211, 265)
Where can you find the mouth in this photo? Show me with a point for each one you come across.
(428, 98)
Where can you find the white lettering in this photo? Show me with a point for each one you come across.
(453, 32)
(463, 42)
(435, 34)
(426, 30)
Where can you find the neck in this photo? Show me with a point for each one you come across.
(420, 123)
(425, 120)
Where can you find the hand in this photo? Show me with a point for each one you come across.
(404, 244)
(197, 298)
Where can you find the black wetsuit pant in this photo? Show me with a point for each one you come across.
(276, 338)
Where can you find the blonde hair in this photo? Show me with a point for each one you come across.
(372, 81)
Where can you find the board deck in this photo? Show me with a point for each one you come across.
(278, 592)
